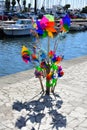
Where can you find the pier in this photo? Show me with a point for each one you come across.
(76, 25)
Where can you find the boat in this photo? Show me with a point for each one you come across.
(20, 28)
(77, 27)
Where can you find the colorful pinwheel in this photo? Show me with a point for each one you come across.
(46, 63)
(25, 54)
(65, 24)
(45, 26)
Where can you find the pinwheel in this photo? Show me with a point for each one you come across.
(46, 62)
(34, 57)
(60, 71)
(51, 54)
(25, 54)
(57, 59)
(65, 23)
(45, 26)
(49, 76)
(42, 54)
(43, 65)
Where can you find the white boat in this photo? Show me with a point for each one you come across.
(20, 28)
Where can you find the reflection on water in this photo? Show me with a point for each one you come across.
(74, 45)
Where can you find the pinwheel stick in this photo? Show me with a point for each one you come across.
(47, 72)
(48, 47)
(56, 45)
(42, 87)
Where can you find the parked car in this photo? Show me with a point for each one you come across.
(72, 16)
(3, 17)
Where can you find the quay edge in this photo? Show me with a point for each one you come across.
(76, 25)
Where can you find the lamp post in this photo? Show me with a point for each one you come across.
(35, 7)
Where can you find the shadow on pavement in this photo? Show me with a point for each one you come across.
(38, 110)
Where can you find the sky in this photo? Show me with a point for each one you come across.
(48, 3)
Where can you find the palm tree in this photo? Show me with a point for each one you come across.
(24, 4)
(7, 5)
(13, 4)
(19, 5)
(29, 6)
(66, 7)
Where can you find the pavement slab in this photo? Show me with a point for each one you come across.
(24, 107)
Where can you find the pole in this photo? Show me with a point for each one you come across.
(35, 7)
(42, 87)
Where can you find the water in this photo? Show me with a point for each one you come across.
(74, 45)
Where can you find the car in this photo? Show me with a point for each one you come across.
(3, 17)
(72, 16)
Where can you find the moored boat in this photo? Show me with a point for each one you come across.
(20, 28)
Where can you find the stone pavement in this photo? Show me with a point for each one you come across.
(24, 107)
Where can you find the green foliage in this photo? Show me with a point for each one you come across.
(19, 5)
(42, 9)
(66, 6)
(24, 4)
(13, 4)
(18, 1)
(29, 7)
(84, 10)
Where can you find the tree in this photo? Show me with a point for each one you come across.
(66, 7)
(13, 4)
(7, 5)
(29, 6)
(84, 10)
(42, 9)
(24, 4)
(19, 5)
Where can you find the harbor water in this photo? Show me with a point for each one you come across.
(72, 46)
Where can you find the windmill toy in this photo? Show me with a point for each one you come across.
(47, 64)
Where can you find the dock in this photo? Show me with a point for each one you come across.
(76, 25)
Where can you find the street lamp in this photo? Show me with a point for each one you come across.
(35, 7)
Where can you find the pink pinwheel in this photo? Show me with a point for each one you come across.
(46, 24)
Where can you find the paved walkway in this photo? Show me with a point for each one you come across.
(23, 107)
